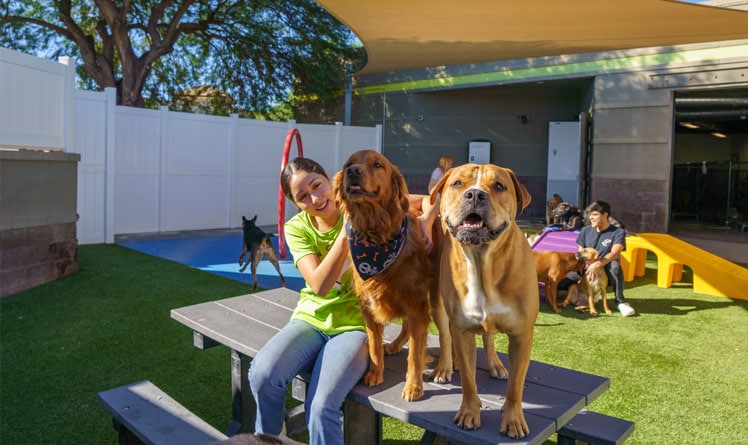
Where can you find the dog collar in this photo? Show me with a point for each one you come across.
(370, 259)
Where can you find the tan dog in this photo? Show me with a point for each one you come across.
(487, 280)
(389, 285)
(595, 289)
(551, 267)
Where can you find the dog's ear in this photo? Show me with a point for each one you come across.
(439, 186)
(400, 188)
(254, 218)
(523, 196)
(337, 189)
(244, 219)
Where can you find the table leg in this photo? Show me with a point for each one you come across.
(361, 424)
(243, 406)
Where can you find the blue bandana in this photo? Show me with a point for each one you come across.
(370, 259)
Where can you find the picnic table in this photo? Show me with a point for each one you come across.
(553, 395)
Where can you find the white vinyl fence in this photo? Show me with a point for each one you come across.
(145, 171)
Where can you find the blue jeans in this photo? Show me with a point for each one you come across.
(336, 364)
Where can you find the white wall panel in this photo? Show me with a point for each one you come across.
(32, 94)
(144, 171)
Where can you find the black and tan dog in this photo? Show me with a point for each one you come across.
(568, 216)
(487, 281)
(258, 244)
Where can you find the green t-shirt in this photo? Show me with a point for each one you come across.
(339, 310)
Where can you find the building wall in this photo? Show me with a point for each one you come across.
(631, 139)
(630, 100)
(421, 127)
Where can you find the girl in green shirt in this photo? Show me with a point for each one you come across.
(326, 335)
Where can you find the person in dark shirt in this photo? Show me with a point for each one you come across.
(609, 241)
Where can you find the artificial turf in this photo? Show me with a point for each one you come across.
(679, 369)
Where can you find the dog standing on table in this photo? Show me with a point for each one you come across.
(594, 288)
(551, 267)
(488, 281)
(257, 243)
(395, 277)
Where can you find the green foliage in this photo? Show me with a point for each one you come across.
(254, 54)
(678, 369)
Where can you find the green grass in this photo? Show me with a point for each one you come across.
(679, 369)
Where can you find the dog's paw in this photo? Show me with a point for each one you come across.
(468, 418)
(496, 368)
(392, 349)
(412, 392)
(442, 373)
(373, 378)
(513, 424)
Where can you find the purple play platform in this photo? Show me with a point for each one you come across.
(557, 240)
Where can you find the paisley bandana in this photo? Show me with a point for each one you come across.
(370, 259)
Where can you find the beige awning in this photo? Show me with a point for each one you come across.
(404, 34)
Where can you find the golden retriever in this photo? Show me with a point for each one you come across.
(394, 275)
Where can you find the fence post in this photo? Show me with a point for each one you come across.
(338, 144)
(68, 109)
(163, 161)
(378, 140)
(110, 104)
(233, 164)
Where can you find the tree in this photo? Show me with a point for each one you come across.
(252, 51)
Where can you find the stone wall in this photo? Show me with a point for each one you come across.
(38, 216)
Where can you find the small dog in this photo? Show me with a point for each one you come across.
(568, 216)
(550, 205)
(394, 275)
(595, 289)
(488, 281)
(551, 268)
(258, 244)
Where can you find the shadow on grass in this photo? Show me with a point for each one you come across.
(682, 306)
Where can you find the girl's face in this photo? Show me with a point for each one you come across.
(312, 193)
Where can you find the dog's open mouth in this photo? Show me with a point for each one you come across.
(473, 230)
(354, 189)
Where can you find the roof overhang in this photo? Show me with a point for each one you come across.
(401, 35)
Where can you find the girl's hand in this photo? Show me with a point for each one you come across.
(426, 231)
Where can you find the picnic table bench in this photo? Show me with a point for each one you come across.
(554, 397)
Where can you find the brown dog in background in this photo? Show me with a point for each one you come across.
(374, 195)
(257, 243)
(595, 289)
(487, 280)
(552, 267)
(550, 205)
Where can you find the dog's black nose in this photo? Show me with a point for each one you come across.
(353, 171)
(475, 196)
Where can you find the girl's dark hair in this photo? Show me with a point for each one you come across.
(599, 206)
(298, 164)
